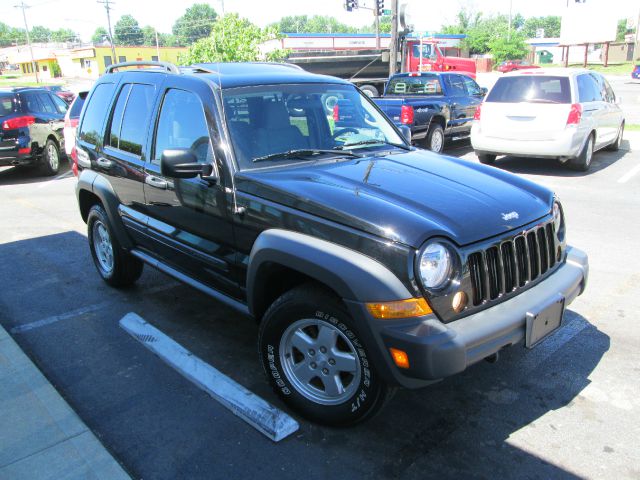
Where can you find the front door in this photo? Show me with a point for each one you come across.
(188, 219)
(459, 102)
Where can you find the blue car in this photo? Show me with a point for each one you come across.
(636, 72)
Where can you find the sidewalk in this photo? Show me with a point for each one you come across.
(41, 437)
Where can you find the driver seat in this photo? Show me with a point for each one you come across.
(275, 132)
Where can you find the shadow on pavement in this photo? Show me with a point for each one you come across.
(31, 174)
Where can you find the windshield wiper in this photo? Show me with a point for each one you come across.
(374, 142)
(304, 152)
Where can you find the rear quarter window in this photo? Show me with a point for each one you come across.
(531, 88)
(76, 106)
(95, 114)
(6, 105)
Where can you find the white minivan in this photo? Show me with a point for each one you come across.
(559, 113)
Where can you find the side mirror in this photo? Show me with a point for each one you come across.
(406, 132)
(183, 163)
(483, 91)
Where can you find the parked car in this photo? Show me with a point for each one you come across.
(32, 120)
(560, 113)
(433, 105)
(368, 264)
(63, 93)
(513, 65)
(636, 72)
(70, 125)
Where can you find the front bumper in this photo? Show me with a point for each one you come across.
(437, 350)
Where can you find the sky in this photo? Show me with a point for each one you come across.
(84, 16)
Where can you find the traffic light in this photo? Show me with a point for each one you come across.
(379, 11)
(349, 5)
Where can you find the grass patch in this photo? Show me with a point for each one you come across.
(613, 68)
(17, 81)
(633, 127)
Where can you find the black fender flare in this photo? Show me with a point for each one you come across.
(96, 184)
(351, 274)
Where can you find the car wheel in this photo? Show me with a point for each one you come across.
(116, 267)
(486, 158)
(316, 359)
(615, 146)
(369, 90)
(50, 159)
(583, 161)
(435, 138)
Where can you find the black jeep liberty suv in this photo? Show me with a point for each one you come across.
(369, 264)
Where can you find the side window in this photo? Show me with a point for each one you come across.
(135, 121)
(113, 136)
(47, 103)
(32, 103)
(182, 124)
(588, 89)
(95, 113)
(61, 105)
(611, 96)
(471, 86)
(455, 83)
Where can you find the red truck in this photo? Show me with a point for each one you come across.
(355, 57)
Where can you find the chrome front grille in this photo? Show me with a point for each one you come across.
(509, 265)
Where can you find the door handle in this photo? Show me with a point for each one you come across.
(156, 182)
(104, 163)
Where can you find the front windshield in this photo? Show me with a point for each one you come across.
(272, 119)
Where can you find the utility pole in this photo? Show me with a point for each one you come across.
(107, 5)
(23, 6)
(510, 10)
(393, 45)
(157, 44)
(636, 45)
(377, 29)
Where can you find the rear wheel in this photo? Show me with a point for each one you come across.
(486, 158)
(116, 266)
(435, 138)
(369, 90)
(583, 161)
(50, 159)
(615, 146)
(316, 360)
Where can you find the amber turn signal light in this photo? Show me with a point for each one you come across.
(412, 307)
(400, 357)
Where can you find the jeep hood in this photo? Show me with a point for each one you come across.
(405, 197)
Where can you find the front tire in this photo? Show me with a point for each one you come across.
(116, 266)
(50, 159)
(435, 138)
(316, 361)
(486, 158)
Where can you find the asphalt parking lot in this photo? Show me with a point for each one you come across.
(567, 409)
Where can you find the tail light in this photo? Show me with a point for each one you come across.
(406, 114)
(70, 122)
(74, 161)
(336, 113)
(476, 115)
(24, 151)
(575, 114)
(18, 122)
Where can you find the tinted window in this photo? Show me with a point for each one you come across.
(182, 124)
(116, 116)
(135, 121)
(76, 106)
(611, 96)
(531, 88)
(455, 84)
(6, 104)
(471, 86)
(32, 103)
(588, 89)
(427, 51)
(61, 105)
(423, 85)
(95, 113)
(47, 103)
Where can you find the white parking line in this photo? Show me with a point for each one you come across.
(627, 176)
(56, 318)
(263, 416)
(59, 177)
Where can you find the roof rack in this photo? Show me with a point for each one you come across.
(169, 67)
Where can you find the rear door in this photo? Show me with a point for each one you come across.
(31, 105)
(595, 110)
(527, 107)
(457, 95)
(474, 98)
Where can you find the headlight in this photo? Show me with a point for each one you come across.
(435, 265)
(557, 217)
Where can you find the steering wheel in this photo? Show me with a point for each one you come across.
(342, 131)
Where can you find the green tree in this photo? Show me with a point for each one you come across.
(169, 40)
(149, 36)
(550, 24)
(314, 24)
(623, 30)
(11, 36)
(232, 39)
(40, 34)
(63, 35)
(99, 35)
(196, 23)
(127, 31)
(513, 48)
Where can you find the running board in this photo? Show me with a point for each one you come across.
(172, 272)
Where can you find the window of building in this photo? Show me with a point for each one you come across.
(154, 58)
(122, 59)
(107, 60)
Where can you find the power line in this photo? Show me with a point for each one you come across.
(23, 6)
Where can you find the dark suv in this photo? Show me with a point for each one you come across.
(32, 120)
(369, 264)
